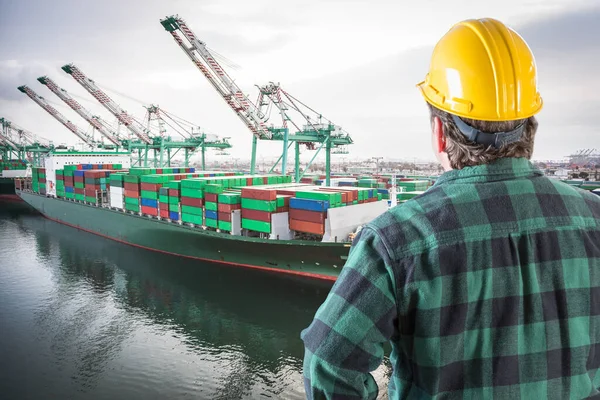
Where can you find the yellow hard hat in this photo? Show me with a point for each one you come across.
(483, 70)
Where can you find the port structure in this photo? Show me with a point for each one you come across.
(16, 142)
(164, 147)
(311, 131)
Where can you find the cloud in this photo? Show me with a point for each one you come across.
(564, 33)
(14, 74)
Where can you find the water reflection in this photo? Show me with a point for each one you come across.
(123, 320)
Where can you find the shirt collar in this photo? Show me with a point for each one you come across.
(501, 169)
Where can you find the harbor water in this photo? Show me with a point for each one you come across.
(82, 317)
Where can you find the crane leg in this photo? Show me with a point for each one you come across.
(253, 159)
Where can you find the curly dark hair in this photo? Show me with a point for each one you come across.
(464, 153)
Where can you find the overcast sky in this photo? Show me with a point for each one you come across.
(356, 62)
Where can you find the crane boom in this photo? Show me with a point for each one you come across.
(5, 134)
(74, 104)
(135, 127)
(61, 118)
(197, 51)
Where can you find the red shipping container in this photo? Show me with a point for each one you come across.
(307, 227)
(164, 213)
(248, 181)
(79, 179)
(164, 206)
(225, 216)
(150, 210)
(151, 187)
(173, 193)
(42, 180)
(131, 193)
(95, 166)
(256, 215)
(283, 209)
(228, 207)
(212, 197)
(131, 186)
(89, 192)
(79, 166)
(190, 201)
(265, 180)
(259, 194)
(92, 187)
(159, 170)
(79, 191)
(308, 216)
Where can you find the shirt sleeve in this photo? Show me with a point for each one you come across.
(344, 342)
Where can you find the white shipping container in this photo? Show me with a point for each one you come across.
(116, 200)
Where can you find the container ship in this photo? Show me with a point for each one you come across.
(257, 221)
(9, 170)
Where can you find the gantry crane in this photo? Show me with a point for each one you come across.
(85, 114)
(197, 51)
(22, 144)
(311, 128)
(122, 116)
(39, 100)
(253, 116)
(160, 144)
(192, 140)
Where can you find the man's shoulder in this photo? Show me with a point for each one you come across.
(406, 227)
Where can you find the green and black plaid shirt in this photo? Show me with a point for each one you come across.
(487, 285)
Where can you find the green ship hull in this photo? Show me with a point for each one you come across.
(305, 258)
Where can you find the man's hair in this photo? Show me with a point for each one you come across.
(464, 153)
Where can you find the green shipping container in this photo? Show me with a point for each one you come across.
(333, 198)
(192, 210)
(260, 205)
(256, 226)
(70, 195)
(146, 194)
(79, 185)
(212, 223)
(174, 207)
(80, 197)
(132, 200)
(163, 199)
(194, 193)
(230, 198)
(213, 188)
(225, 226)
(211, 206)
(173, 201)
(132, 207)
(191, 219)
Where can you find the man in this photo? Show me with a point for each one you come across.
(488, 284)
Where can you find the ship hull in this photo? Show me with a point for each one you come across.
(309, 259)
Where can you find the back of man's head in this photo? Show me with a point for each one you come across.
(482, 85)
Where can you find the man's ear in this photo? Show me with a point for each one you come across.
(438, 132)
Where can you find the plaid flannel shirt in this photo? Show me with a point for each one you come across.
(487, 285)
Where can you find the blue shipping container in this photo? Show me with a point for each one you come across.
(149, 203)
(211, 214)
(309, 204)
